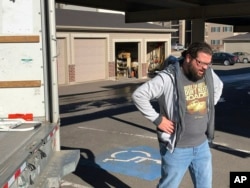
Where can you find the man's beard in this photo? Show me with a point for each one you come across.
(192, 73)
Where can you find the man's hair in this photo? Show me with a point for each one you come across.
(196, 47)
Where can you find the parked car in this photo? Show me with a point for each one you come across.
(244, 57)
(177, 47)
(224, 58)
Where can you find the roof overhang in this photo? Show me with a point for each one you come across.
(230, 12)
(109, 29)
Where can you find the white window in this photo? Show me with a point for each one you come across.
(228, 29)
(215, 42)
(215, 29)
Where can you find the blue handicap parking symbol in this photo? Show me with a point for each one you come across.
(142, 162)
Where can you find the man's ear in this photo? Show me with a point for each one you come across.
(188, 58)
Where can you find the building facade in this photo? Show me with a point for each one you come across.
(103, 47)
(215, 33)
(237, 43)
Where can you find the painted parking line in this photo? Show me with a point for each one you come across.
(68, 184)
(227, 147)
(121, 133)
(142, 162)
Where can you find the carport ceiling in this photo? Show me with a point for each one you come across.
(231, 12)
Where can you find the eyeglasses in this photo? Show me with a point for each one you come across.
(202, 64)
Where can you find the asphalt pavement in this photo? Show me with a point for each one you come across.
(119, 147)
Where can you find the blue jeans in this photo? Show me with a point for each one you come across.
(174, 166)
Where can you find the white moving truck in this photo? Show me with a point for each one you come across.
(30, 154)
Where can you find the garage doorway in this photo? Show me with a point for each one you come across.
(127, 57)
(155, 56)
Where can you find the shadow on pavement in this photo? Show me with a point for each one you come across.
(96, 115)
(82, 107)
(222, 72)
(109, 113)
(92, 173)
(232, 115)
(230, 151)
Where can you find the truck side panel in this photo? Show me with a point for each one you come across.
(21, 58)
(28, 85)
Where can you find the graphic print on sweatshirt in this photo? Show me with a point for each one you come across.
(196, 98)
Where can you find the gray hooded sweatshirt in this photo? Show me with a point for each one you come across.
(166, 87)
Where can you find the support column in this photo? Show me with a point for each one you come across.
(198, 30)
